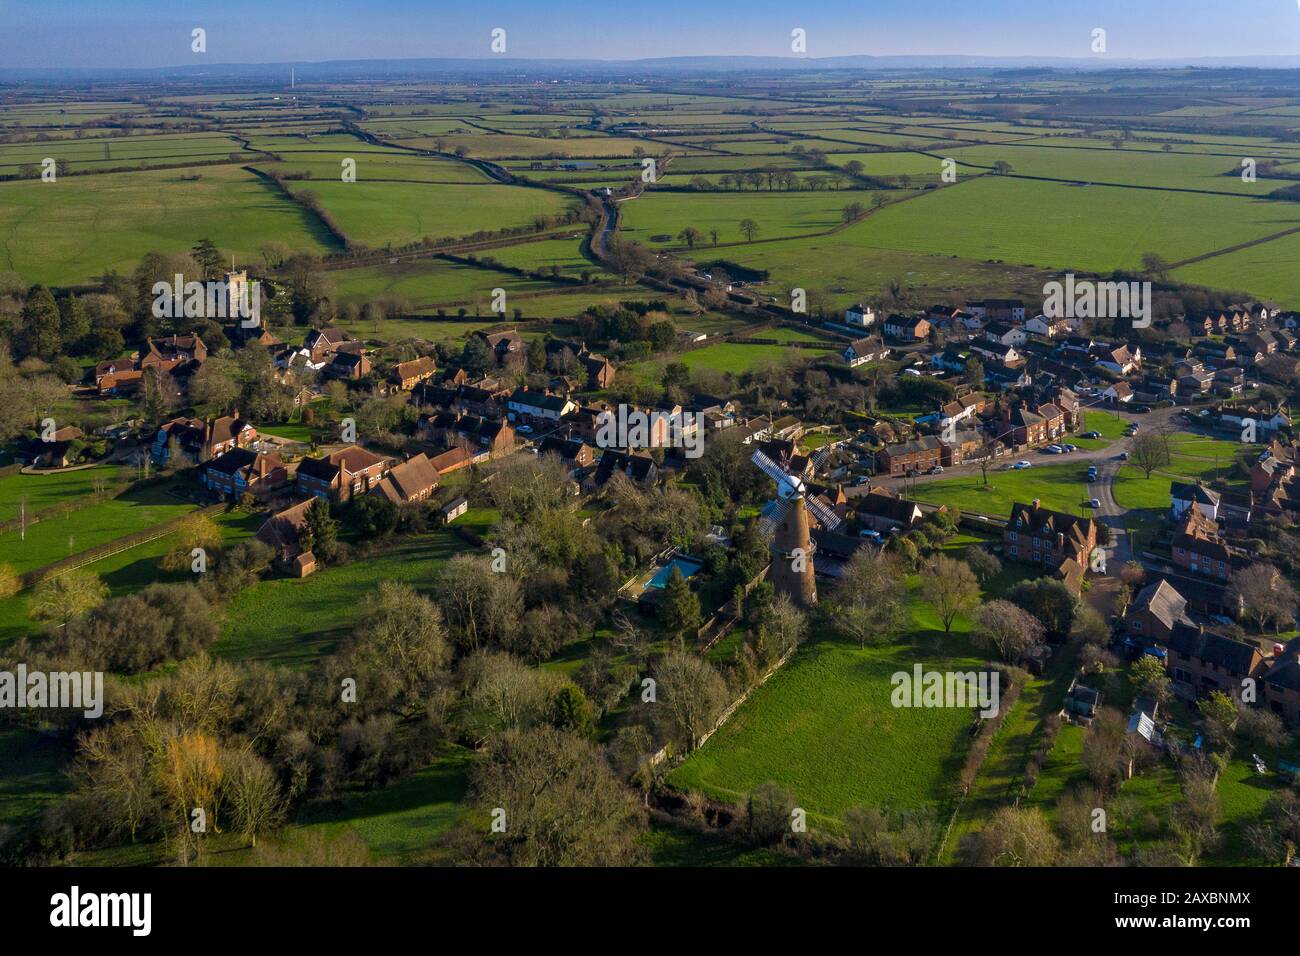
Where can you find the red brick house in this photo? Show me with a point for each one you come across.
(244, 470)
(1201, 662)
(203, 440)
(342, 474)
(412, 480)
(919, 455)
(1036, 535)
(1198, 547)
(407, 375)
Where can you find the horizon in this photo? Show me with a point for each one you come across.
(149, 34)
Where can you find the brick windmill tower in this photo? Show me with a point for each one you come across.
(785, 521)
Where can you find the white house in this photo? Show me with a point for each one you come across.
(870, 349)
(860, 316)
(1182, 494)
(1048, 328)
(1118, 392)
(1004, 334)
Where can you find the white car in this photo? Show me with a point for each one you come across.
(1023, 464)
(1094, 503)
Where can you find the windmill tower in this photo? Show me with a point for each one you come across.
(785, 522)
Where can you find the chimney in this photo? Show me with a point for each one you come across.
(1036, 503)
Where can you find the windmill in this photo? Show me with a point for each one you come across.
(784, 521)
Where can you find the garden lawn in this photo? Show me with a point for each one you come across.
(295, 621)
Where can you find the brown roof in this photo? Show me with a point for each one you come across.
(281, 530)
(409, 480)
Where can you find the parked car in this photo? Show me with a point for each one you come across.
(1053, 450)
(1023, 464)
(1091, 435)
(1071, 448)
(1094, 502)
(936, 470)
(1092, 474)
(870, 535)
(1123, 456)
(525, 429)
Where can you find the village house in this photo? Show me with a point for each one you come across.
(1184, 494)
(1048, 328)
(1154, 613)
(918, 455)
(1053, 539)
(533, 406)
(1201, 662)
(640, 468)
(994, 353)
(342, 474)
(411, 481)
(503, 345)
(407, 375)
(1121, 361)
(862, 351)
(1198, 547)
(1118, 393)
(283, 534)
(447, 428)
(574, 454)
(320, 344)
(882, 511)
(347, 365)
(58, 451)
(1006, 310)
(242, 470)
(1020, 426)
(201, 440)
(1000, 333)
(1281, 682)
(860, 316)
(907, 328)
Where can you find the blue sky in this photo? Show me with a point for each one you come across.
(116, 33)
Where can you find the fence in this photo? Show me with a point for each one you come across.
(110, 548)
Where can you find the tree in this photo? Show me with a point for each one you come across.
(690, 694)
(323, 531)
(1009, 629)
(253, 795)
(208, 256)
(571, 711)
(984, 563)
(562, 804)
(67, 596)
(74, 324)
(749, 229)
(690, 235)
(1219, 711)
(41, 324)
(769, 811)
(952, 589)
(1015, 836)
(1155, 264)
(680, 610)
(9, 581)
(191, 776)
(1266, 595)
(1151, 680)
(1148, 452)
(1002, 167)
(1105, 749)
(1048, 600)
(869, 603)
(196, 531)
(853, 212)
(215, 384)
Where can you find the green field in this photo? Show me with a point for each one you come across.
(313, 614)
(57, 538)
(1061, 487)
(823, 726)
(80, 227)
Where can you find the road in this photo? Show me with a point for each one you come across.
(1108, 465)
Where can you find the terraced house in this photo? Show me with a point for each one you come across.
(202, 440)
